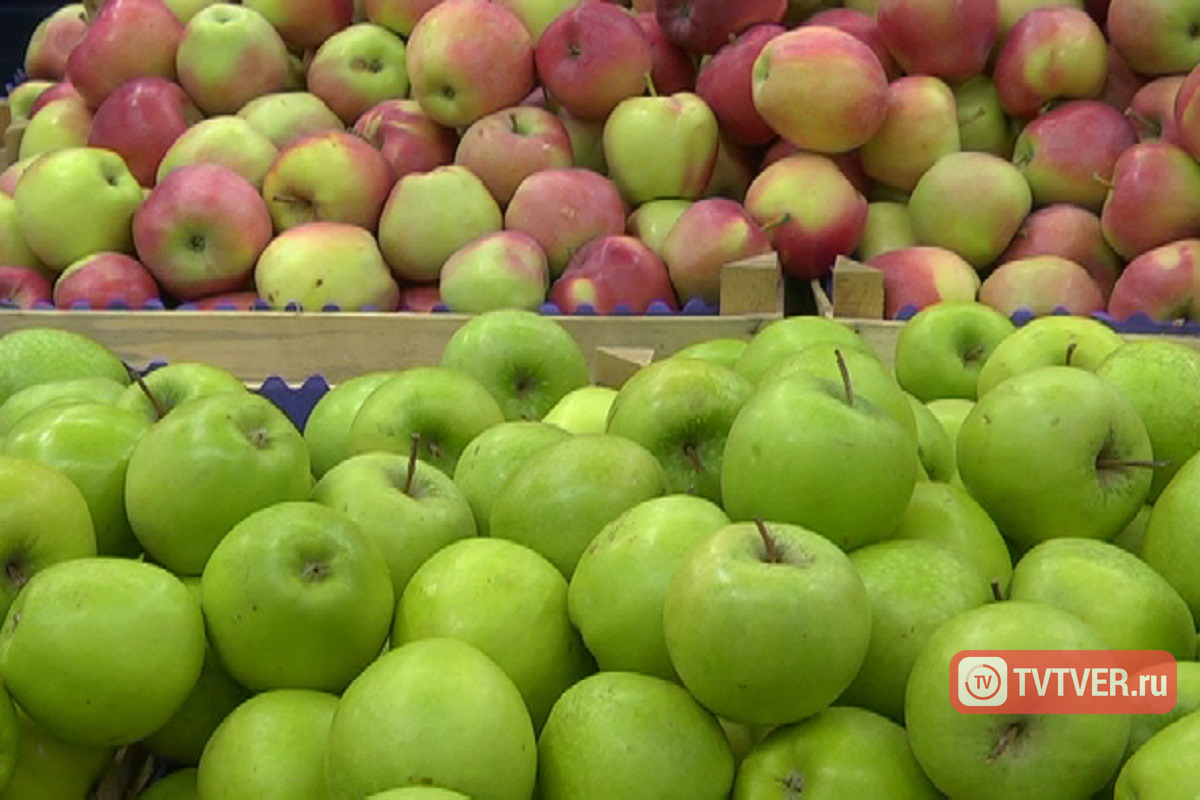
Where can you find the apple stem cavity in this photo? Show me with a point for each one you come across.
(1006, 740)
(16, 573)
(1070, 356)
(997, 590)
(1120, 463)
(160, 410)
(773, 554)
(412, 463)
(845, 372)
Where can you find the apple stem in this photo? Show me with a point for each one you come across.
(160, 411)
(1006, 739)
(650, 87)
(845, 371)
(1070, 356)
(1118, 463)
(967, 119)
(1100, 179)
(997, 590)
(412, 463)
(768, 541)
(782, 219)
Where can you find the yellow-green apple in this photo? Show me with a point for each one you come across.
(1071, 232)
(180, 783)
(1169, 536)
(1057, 340)
(106, 280)
(923, 275)
(581, 750)
(14, 250)
(587, 140)
(284, 117)
(709, 234)
(63, 120)
(703, 26)
(126, 39)
(1012, 10)
(1068, 152)
(784, 337)
(1151, 109)
(946, 515)
(504, 147)
(725, 81)
(950, 39)
(1041, 284)
(942, 347)
(11, 174)
(160, 390)
(436, 708)
(466, 58)
(52, 40)
(582, 410)
(305, 24)
(501, 269)
(971, 203)
(535, 15)
(46, 766)
(614, 272)
(23, 96)
(321, 264)
(1154, 198)
(357, 67)
(652, 221)
(230, 54)
(681, 127)
(820, 88)
(77, 201)
(1158, 766)
(1186, 112)
(672, 69)
(1051, 53)
(734, 170)
(591, 57)
(327, 429)
(297, 188)
(24, 287)
(862, 25)
(140, 120)
(888, 227)
(225, 139)
(56, 91)
(44, 354)
(920, 127)
(429, 215)
(563, 209)
(201, 230)
(506, 600)
(982, 123)
(1155, 36)
(186, 9)
(296, 596)
(810, 210)
(722, 592)
(408, 139)
(1159, 284)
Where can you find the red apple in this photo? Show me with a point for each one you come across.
(127, 39)
(672, 68)
(920, 127)
(52, 41)
(951, 39)
(244, 300)
(420, 297)
(24, 287)
(611, 272)
(1162, 283)
(919, 276)
(1051, 52)
(1070, 232)
(357, 67)
(104, 280)
(862, 25)
(406, 137)
(140, 120)
(1152, 109)
(1186, 112)
(1154, 199)
(709, 234)
(305, 24)
(58, 91)
(506, 146)
(1041, 285)
(726, 83)
(703, 26)
(1156, 37)
(1121, 83)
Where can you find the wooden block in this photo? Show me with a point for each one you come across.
(612, 366)
(752, 286)
(857, 290)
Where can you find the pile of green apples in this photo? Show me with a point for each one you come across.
(743, 572)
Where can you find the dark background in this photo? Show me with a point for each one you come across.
(18, 18)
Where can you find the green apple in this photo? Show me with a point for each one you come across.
(888, 227)
(418, 793)
(14, 250)
(60, 124)
(724, 350)
(1056, 340)
(432, 712)
(982, 123)
(296, 596)
(560, 498)
(991, 755)
(950, 412)
(766, 624)
(1171, 537)
(270, 746)
(9, 740)
(946, 515)
(327, 429)
(1055, 451)
(785, 336)
(652, 220)
(123, 638)
(357, 67)
(1162, 767)
(680, 409)
(408, 508)
(1132, 536)
(509, 602)
(839, 752)
(493, 456)
(934, 446)
(179, 784)
(163, 388)
(525, 360)
(582, 410)
(284, 117)
(816, 472)
(1187, 693)
(584, 751)
(49, 768)
(65, 391)
(29, 356)
(942, 348)
(617, 591)
(65, 187)
(90, 443)
(1114, 591)
(225, 139)
(1162, 379)
(446, 408)
(44, 519)
(237, 446)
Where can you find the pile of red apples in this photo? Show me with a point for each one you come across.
(1037, 155)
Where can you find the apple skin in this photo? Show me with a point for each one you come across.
(24, 95)
(613, 271)
(591, 57)
(14, 250)
(319, 264)
(47, 767)
(1151, 175)
(1158, 284)
(810, 210)
(174, 383)
(725, 82)
(582, 410)
(781, 338)
(921, 125)
(949, 39)
(982, 123)
(408, 139)
(24, 287)
(1068, 153)
(52, 41)
(44, 354)
(467, 58)
(1154, 36)
(1186, 112)
(104, 280)
(1168, 536)
(1155, 765)
(859, 23)
(820, 88)
(1041, 284)
(709, 234)
(327, 429)
(127, 39)
(672, 68)
(941, 348)
(284, 117)
(305, 24)
(506, 146)
(702, 27)
(357, 67)
(1071, 232)
(653, 220)
(924, 275)
(224, 139)
(563, 208)
(64, 122)
(888, 227)
(502, 269)
(1055, 340)
(1151, 109)
(140, 120)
